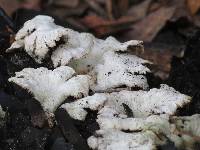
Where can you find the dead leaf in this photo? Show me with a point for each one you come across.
(181, 10)
(193, 6)
(30, 4)
(139, 11)
(102, 27)
(66, 3)
(109, 9)
(123, 6)
(147, 28)
(12, 5)
(96, 7)
(9, 6)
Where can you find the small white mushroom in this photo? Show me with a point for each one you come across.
(165, 100)
(51, 88)
(77, 109)
(119, 70)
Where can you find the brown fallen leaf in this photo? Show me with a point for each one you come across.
(109, 9)
(62, 13)
(96, 7)
(12, 5)
(193, 6)
(116, 8)
(123, 6)
(66, 3)
(30, 4)
(147, 28)
(161, 61)
(182, 10)
(9, 6)
(139, 11)
(102, 27)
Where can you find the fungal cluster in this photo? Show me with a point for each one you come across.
(102, 76)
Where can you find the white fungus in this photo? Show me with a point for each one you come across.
(118, 140)
(77, 109)
(190, 124)
(40, 37)
(164, 100)
(161, 128)
(51, 88)
(97, 50)
(112, 76)
(120, 70)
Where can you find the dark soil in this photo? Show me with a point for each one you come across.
(185, 74)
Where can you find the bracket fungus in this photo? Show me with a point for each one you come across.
(38, 36)
(51, 88)
(41, 37)
(130, 115)
(77, 109)
(152, 131)
(165, 100)
(118, 140)
(120, 70)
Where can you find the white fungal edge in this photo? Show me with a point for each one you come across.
(164, 100)
(118, 70)
(158, 129)
(38, 36)
(77, 109)
(117, 140)
(41, 35)
(51, 88)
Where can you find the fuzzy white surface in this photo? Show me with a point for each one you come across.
(97, 50)
(164, 100)
(162, 128)
(76, 109)
(120, 70)
(118, 140)
(51, 88)
(40, 36)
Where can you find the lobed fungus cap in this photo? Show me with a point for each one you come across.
(119, 70)
(42, 38)
(51, 88)
(38, 36)
(155, 129)
(77, 109)
(165, 100)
